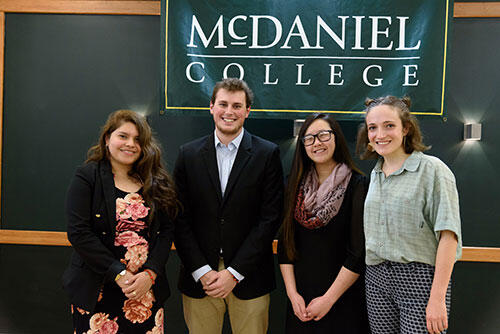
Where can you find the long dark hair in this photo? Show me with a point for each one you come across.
(300, 165)
(158, 186)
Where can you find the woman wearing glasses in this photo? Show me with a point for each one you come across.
(321, 247)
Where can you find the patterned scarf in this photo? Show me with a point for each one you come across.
(318, 204)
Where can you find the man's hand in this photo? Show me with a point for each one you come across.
(222, 286)
(209, 278)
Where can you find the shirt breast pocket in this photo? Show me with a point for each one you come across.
(410, 215)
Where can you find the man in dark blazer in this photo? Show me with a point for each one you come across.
(231, 186)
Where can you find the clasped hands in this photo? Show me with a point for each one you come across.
(134, 286)
(218, 284)
(317, 308)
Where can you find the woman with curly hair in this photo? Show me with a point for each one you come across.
(412, 224)
(120, 208)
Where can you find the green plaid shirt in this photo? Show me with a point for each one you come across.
(405, 212)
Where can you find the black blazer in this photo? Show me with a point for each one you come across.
(243, 223)
(91, 218)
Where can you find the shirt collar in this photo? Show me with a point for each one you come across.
(411, 163)
(235, 142)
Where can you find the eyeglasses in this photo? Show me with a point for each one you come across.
(323, 136)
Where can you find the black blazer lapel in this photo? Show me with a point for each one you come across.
(210, 157)
(242, 157)
(108, 188)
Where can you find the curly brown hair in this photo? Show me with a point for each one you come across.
(414, 138)
(158, 186)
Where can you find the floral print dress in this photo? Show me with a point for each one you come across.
(114, 312)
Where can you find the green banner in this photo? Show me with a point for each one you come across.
(306, 56)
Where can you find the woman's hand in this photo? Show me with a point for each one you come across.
(124, 280)
(299, 307)
(436, 313)
(298, 303)
(139, 284)
(318, 307)
(436, 316)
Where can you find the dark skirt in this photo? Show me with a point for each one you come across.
(115, 313)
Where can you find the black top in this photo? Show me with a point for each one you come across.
(114, 312)
(321, 254)
(91, 219)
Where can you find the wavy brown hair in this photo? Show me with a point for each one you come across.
(158, 187)
(414, 138)
(300, 165)
(233, 85)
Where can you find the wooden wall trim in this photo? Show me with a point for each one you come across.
(480, 254)
(2, 49)
(38, 238)
(114, 7)
(476, 9)
(147, 7)
(48, 238)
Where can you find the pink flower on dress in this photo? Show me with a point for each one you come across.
(100, 324)
(130, 225)
(109, 327)
(159, 317)
(128, 239)
(147, 299)
(158, 328)
(121, 207)
(135, 311)
(136, 256)
(139, 310)
(133, 198)
(97, 320)
(137, 210)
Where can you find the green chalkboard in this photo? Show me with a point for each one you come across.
(65, 73)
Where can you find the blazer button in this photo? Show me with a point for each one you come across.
(222, 221)
(157, 232)
(103, 233)
(98, 215)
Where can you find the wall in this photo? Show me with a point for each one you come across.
(65, 73)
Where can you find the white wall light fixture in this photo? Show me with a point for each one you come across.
(472, 131)
(297, 124)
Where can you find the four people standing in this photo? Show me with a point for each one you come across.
(121, 207)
